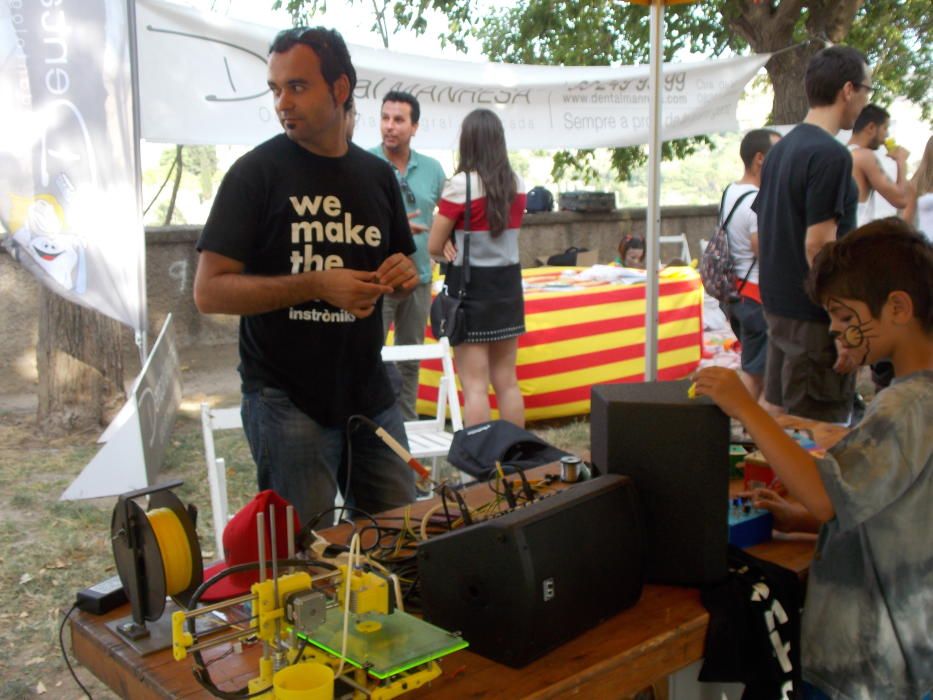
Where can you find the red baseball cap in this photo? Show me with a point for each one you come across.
(241, 545)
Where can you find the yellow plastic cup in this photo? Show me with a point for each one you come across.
(304, 681)
(890, 144)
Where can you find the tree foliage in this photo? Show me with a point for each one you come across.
(892, 34)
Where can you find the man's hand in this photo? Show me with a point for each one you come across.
(725, 388)
(355, 291)
(899, 154)
(416, 228)
(397, 272)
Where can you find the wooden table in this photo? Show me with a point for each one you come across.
(663, 633)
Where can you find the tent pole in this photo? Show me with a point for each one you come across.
(143, 318)
(653, 218)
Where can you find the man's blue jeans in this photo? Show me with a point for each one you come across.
(307, 463)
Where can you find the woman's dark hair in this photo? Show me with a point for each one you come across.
(331, 51)
(630, 243)
(483, 151)
(869, 263)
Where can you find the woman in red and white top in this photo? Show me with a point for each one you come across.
(494, 304)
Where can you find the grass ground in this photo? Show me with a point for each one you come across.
(50, 549)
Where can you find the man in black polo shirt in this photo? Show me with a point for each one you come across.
(808, 198)
(306, 235)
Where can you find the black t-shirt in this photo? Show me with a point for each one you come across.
(282, 210)
(806, 179)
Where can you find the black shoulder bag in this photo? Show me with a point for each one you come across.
(448, 317)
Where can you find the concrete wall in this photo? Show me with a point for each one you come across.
(554, 232)
(171, 261)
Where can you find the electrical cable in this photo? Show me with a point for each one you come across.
(354, 547)
(427, 516)
(61, 644)
(526, 487)
(315, 519)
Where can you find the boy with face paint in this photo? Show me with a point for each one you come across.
(867, 625)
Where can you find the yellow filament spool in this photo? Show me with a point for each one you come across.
(173, 544)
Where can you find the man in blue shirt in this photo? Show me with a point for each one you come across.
(421, 179)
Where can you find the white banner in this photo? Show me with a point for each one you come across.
(203, 81)
(68, 202)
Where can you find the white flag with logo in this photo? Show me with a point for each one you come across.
(203, 80)
(68, 198)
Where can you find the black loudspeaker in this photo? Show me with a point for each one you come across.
(676, 450)
(520, 584)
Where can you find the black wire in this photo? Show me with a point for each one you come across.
(61, 643)
(464, 511)
(355, 418)
(526, 487)
(305, 532)
(301, 650)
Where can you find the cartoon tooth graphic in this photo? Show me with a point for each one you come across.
(37, 225)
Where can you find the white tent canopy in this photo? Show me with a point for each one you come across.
(203, 81)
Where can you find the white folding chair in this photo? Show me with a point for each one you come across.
(680, 238)
(429, 438)
(217, 419)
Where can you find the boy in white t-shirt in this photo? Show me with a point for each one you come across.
(744, 308)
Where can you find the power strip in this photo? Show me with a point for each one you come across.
(102, 597)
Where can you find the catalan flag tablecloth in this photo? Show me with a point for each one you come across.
(581, 334)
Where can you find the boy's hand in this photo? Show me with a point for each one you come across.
(725, 388)
(788, 516)
(846, 358)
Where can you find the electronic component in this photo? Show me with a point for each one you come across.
(306, 609)
(676, 450)
(748, 525)
(102, 597)
(525, 582)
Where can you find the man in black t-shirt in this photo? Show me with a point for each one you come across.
(808, 198)
(306, 235)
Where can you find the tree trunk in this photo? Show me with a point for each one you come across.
(80, 366)
(771, 28)
(179, 167)
(787, 71)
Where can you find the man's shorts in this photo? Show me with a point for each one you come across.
(748, 322)
(799, 371)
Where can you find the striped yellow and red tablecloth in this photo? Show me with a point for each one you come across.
(592, 335)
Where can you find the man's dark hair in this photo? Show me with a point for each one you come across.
(829, 70)
(754, 142)
(407, 98)
(331, 51)
(871, 114)
(868, 264)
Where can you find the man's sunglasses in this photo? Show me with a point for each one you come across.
(406, 191)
